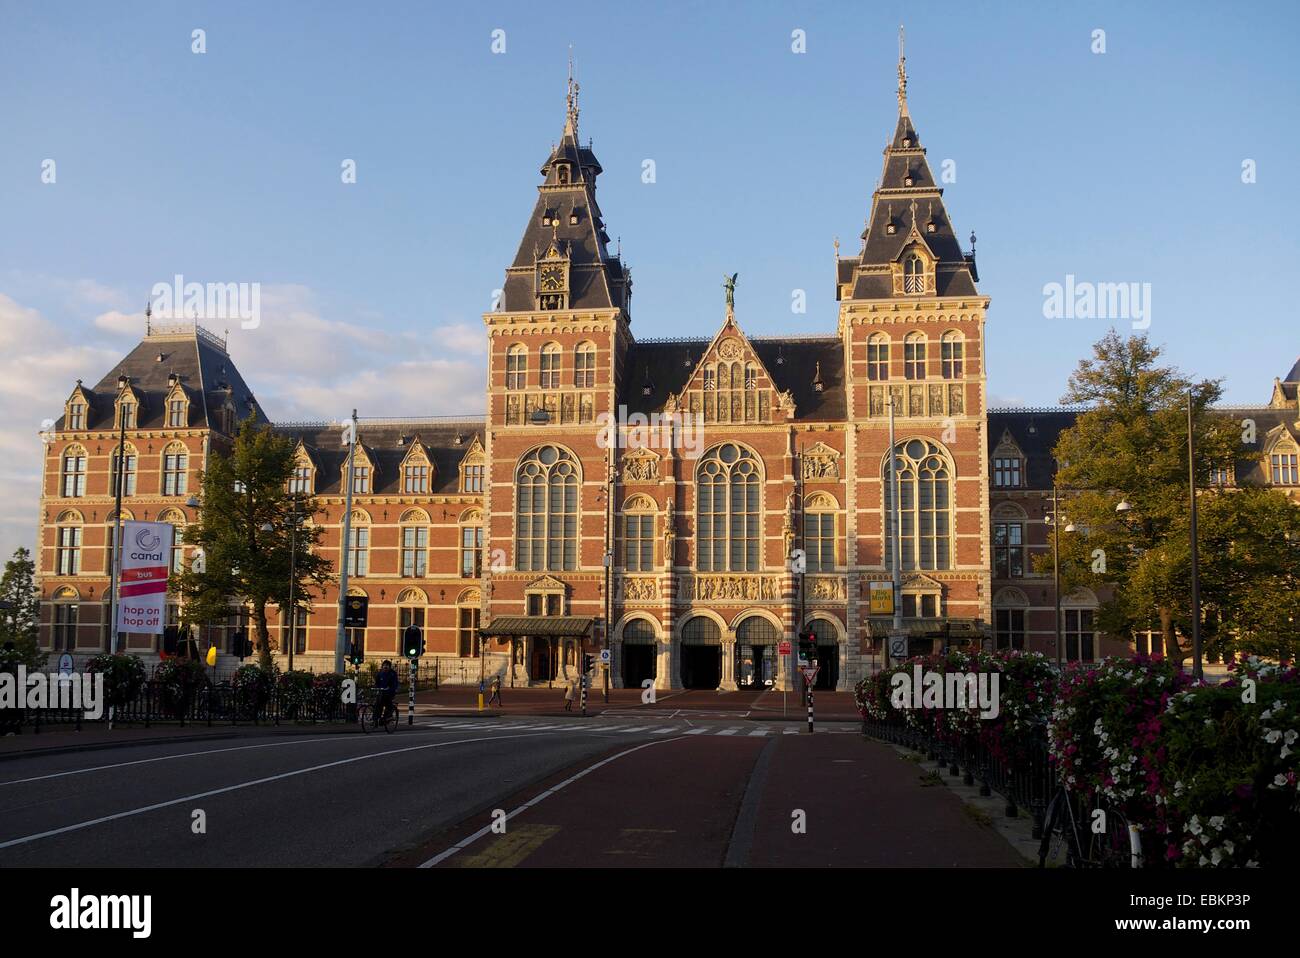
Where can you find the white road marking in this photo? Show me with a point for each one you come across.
(729, 731)
(466, 842)
(697, 731)
(662, 731)
(758, 733)
(234, 788)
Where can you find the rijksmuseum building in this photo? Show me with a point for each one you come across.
(492, 533)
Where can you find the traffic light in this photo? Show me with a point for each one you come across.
(808, 645)
(355, 655)
(588, 660)
(413, 642)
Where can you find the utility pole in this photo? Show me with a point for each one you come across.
(117, 645)
(293, 582)
(803, 571)
(1056, 572)
(609, 557)
(895, 540)
(340, 639)
(1197, 668)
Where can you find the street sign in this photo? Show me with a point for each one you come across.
(898, 646)
(65, 664)
(809, 674)
(604, 656)
(783, 648)
(355, 611)
(881, 598)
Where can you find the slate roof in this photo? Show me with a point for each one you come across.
(387, 443)
(955, 273)
(597, 278)
(791, 361)
(189, 351)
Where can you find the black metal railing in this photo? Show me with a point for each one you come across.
(1020, 772)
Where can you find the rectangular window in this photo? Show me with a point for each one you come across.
(819, 541)
(416, 479)
(1220, 477)
(175, 467)
(359, 552)
(300, 482)
(76, 416)
(408, 616)
(467, 637)
(950, 354)
(360, 479)
(176, 413)
(178, 550)
(1008, 550)
(126, 412)
(516, 369)
(471, 551)
(914, 359)
(1009, 625)
(300, 631)
(128, 475)
(65, 626)
(534, 605)
(68, 554)
(554, 604)
(1079, 636)
(415, 551)
(474, 478)
(1006, 473)
(909, 606)
(550, 369)
(584, 369)
(1284, 469)
(639, 542)
(878, 361)
(74, 475)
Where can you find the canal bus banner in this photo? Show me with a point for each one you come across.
(142, 594)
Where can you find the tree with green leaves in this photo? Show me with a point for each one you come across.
(20, 609)
(1130, 445)
(244, 531)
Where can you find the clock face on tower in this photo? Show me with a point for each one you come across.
(551, 278)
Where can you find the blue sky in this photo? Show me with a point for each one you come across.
(224, 167)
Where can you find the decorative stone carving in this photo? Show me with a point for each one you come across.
(640, 466)
(640, 590)
(821, 462)
(825, 588)
(729, 349)
(737, 588)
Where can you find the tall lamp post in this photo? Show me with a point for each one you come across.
(119, 479)
(1198, 671)
(293, 577)
(1055, 521)
(340, 637)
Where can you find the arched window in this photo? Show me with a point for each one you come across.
(819, 532)
(546, 511)
(757, 630)
(551, 356)
(410, 612)
(639, 632)
(516, 366)
(359, 545)
(468, 642)
(914, 356)
(584, 365)
(701, 630)
(126, 461)
(639, 534)
(878, 357)
(951, 349)
(73, 482)
(1079, 611)
(729, 510)
(914, 274)
(925, 502)
(415, 543)
(67, 554)
(66, 607)
(176, 464)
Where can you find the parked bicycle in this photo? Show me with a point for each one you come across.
(1075, 836)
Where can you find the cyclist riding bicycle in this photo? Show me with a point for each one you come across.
(385, 689)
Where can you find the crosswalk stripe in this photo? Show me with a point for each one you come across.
(697, 731)
(661, 731)
(758, 733)
(611, 728)
(729, 731)
(791, 731)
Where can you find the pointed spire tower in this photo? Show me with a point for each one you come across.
(564, 261)
(907, 216)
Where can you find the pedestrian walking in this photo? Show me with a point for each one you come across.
(496, 691)
(568, 697)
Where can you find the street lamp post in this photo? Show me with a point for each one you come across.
(1198, 671)
(293, 582)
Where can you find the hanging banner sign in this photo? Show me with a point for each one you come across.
(142, 593)
(882, 598)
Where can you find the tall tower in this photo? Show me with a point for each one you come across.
(912, 325)
(552, 354)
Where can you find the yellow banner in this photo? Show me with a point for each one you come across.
(881, 598)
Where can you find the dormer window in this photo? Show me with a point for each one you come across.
(914, 274)
(573, 218)
(1284, 469)
(76, 416)
(1007, 472)
(176, 413)
(562, 173)
(127, 413)
(891, 228)
(932, 227)
(907, 179)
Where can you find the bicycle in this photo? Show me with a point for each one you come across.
(1104, 840)
(366, 717)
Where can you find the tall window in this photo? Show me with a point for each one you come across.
(819, 534)
(409, 615)
(76, 416)
(176, 462)
(126, 413)
(127, 463)
(516, 367)
(925, 501)
(1284, 472)
(68, 549)
(300, 481)
(639, 536)
(473, 481)
(1008, 550)
(176, 417)
(729, 508)
(1079, 635)
(471, 551)
(878, 357)
(584, 366)
(467, 644)
(360, 479)
(923, 605)
(415, 551)
(546, 510)
(914, 356)
(415, 477)
(951, 351)
(358, 551)
(1006, 473)
(914, 274)
(1009, 626)
(551, 354)
(74, 472)
(65, 625)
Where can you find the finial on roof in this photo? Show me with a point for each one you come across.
(972, 242)
(902, 75)
(729, 284)
(571, 100)
(148, 316)
(913, 208)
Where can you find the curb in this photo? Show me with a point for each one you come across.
(253, 732)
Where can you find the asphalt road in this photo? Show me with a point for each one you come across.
(693, 789)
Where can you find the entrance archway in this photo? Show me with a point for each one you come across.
(542, 663)
(828, 654)
(756, 644)
(638, 653)
(701, 654)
